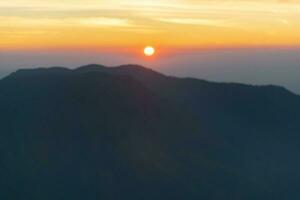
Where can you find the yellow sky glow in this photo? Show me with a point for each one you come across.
(132, 23)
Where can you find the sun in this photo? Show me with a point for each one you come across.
(149, 51)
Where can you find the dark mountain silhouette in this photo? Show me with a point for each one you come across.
(129, 132)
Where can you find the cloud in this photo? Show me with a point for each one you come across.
(132, 22)
(103, 21)
(65, 22)
(193, 21)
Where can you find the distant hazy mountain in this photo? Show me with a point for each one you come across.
(131, 133)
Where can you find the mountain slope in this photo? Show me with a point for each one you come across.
(132, 133)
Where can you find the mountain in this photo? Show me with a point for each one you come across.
(129, 132)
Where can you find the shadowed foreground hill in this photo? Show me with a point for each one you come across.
(131, 133)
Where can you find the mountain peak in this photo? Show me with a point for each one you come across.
(90, 67)
(136, 71)
(127, 67)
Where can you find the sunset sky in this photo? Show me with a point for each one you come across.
(254, 41)
(32, 24)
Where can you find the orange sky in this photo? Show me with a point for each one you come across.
(30, 24)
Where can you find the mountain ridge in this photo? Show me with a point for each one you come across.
(128, 69)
